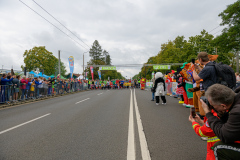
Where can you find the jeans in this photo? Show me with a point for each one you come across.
(153, 95)
(49, 90)
(23, 93)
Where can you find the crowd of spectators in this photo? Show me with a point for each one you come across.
(221, 123)
(113, 84)
(15, 87)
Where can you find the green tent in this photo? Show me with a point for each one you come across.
(52, 76)
(74, 77)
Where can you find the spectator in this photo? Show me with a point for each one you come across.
(37, 83)
(4, 79)
(28, 85)
(50, 86)
(237, 80)
(153, 93)
(32, 88)
(202, 129)
(227, 105)
(45, 86)
(16, 84)
(23, 84)
(237, 77)
(40, 86)
(208, 73)
(9, 87)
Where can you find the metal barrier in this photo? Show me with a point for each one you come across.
(10, 94)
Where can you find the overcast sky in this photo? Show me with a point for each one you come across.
(130, 30)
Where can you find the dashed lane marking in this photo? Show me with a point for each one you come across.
(82, 100)
(24, 123)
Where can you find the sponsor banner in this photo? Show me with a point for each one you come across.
(91, 69)
(162, 67)
(174, 88)
(149, 84)
(107, 68)
(99, 74)
(71, 65)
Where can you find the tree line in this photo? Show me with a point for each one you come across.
(180, 50)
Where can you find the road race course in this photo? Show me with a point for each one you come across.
(99, 125)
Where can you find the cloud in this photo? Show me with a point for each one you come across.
(131, 31)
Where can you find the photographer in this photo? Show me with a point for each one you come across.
(227, 105)
(208, 73)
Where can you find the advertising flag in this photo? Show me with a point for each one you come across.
(91, 69)
(71, 65)
(99, 74)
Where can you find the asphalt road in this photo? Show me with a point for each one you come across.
(99, 125)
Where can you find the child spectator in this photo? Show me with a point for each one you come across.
(205, 131)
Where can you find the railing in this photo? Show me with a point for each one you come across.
(11, 94)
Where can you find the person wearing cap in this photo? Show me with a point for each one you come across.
(207, 74)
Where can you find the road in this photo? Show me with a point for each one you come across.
(99, 125)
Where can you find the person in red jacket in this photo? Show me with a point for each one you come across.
(205, 131)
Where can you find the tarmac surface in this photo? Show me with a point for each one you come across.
(99, 125)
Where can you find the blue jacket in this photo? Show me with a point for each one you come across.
(4, 81)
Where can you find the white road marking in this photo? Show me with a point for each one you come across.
(131, 140)
(142, 137)
(100, 93)
(24, 123)
(82, 100)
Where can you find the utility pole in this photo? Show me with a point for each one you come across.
(59, 69)
(83, 68)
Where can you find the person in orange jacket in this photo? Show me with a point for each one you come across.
(205, 131)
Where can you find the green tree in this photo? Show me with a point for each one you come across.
(96, 51)
(62, 68)
(228, 42)
(107, 57)
(39, 57)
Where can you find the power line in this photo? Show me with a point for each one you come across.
(52, 24)
(59, 22)
(213, 29)
(217, 32)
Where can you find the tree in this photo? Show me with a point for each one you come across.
(62, 68)
(107, 57)
(39, 57)
(96, 51)
(228, 42)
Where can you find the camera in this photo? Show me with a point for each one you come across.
(205, 100)
(193, 60)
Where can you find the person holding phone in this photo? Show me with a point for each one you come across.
(202, 129)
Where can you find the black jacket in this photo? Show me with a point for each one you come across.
(227, 129)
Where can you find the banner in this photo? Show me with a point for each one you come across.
(174, 88)
(108, 68)
(162, 67)
(99, 74)
(71, 65)
(149, 84)
(91, 69)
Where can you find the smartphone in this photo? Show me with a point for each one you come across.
(193, 61)
(193, 113)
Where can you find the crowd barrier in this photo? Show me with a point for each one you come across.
(12, 94)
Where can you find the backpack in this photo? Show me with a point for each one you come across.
(226, 75)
